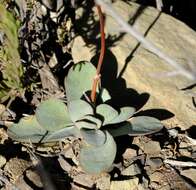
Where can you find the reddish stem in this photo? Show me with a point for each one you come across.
(101, 56)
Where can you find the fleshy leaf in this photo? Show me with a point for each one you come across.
(63, 133)
(141, 125)
(97, 159)
(27, 130)
(85, 125)
(125, 113)
(94, 137)
(107, 112)
(79, 80)
(78, 109)
(52, 114)
(92, 119)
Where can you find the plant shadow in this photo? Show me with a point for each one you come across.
(121, 95)
(87, 26)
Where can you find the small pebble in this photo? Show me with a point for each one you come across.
(84, 180)
(185, 152)
(131, 170)
(103, 183)
(173, 132)
(154, 163)
(129, 153)
(152, 147)
(15, 167)
(21, 184)
(34, 177)
(2, 161)
(156, 177)
(2, 108)
(64, 164)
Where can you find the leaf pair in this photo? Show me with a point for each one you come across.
(51, 122)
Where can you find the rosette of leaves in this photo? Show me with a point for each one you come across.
(96, 123)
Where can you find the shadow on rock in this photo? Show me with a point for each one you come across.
(121, 95)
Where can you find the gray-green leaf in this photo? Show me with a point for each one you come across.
(141, 125)
(94, 137)
(63, 133)
(125, 113)
(27, 130)
(52, 114)
(79, 80)
(107, 112)
(97, 159)
(85, 125)
(78, 109)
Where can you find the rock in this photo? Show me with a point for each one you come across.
(165, 187)
(136, 64)
(131, 170)
(183, 145)
(69, 153)
(129, 156)
(15, 168)
(53, 61)
(154, 163)
(103, 183)
(193, 155)
(157, 177)
(21, 184)
(189, 173)
(185, 152)
(173, 133)
(2, 161)
(2, 109)
(3, 136)
(158, 180)
(129, 153)
(64, 164)
(75, 187)
(152, 147)
(154, 185)
(33, 176)
(84, 180)
(130, 184)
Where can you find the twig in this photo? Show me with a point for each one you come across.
(179, 163)
(146, 43)
(97, 77)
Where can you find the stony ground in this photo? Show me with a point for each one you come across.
(161, 161)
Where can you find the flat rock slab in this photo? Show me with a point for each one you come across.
(142, 69)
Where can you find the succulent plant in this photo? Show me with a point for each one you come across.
(96, 124)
